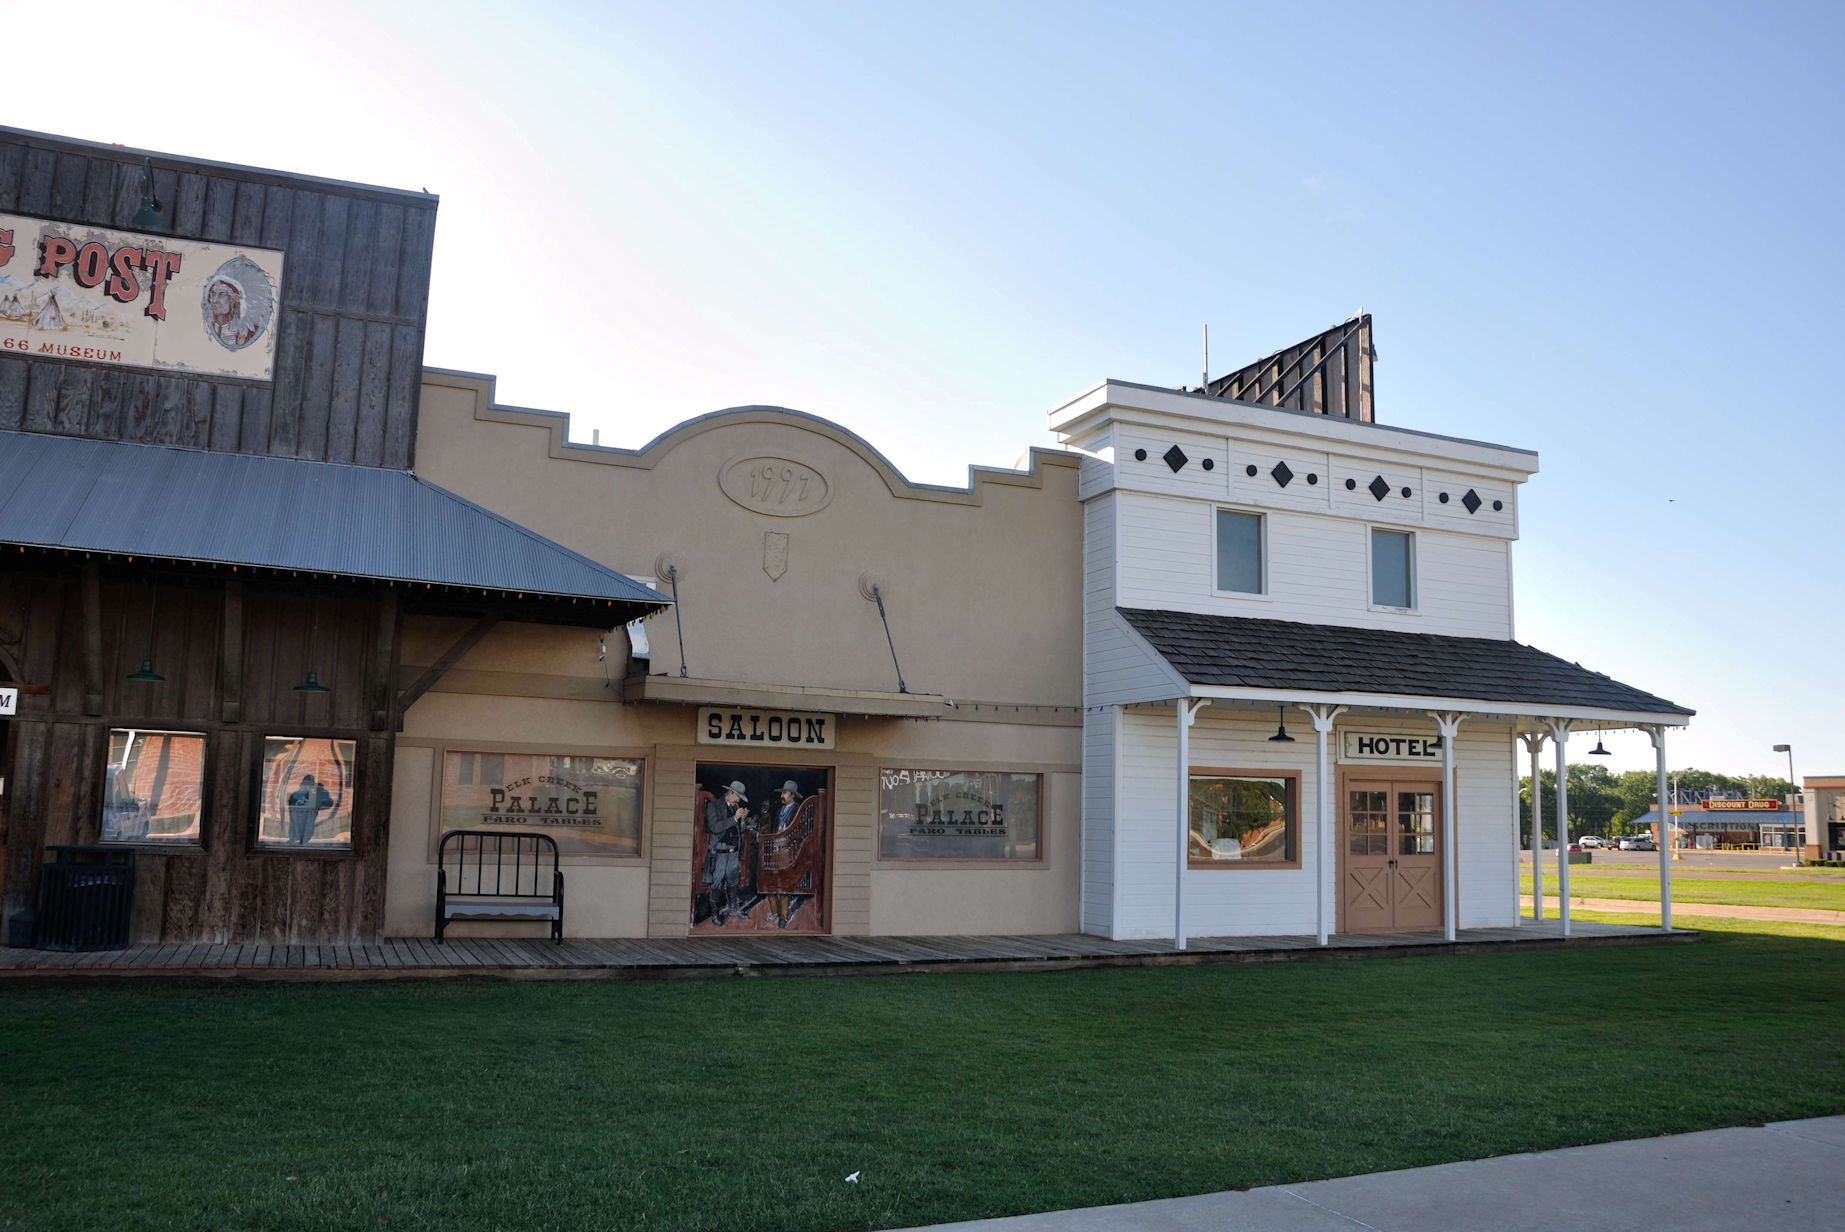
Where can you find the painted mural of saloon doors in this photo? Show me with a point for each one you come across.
(760, 841)
(1390, 874)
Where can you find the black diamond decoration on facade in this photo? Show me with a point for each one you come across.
(1282, 474)
(1472, 501)
(1379, 488)
(1175, 458)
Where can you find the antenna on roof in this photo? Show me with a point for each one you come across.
(1207, 356)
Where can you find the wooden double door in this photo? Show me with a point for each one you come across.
(1390, 855)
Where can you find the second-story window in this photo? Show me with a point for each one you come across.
(1239, 551)
(1393, 568)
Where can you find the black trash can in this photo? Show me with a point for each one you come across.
(86, 899)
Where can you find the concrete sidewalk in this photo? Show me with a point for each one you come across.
(1777, 1178)
(1727, 911)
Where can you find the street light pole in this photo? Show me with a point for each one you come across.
(1793, 788)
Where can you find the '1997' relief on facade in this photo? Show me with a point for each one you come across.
(144, 301)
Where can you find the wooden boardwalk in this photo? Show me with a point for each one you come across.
(420, 958)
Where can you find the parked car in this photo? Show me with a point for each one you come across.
(1645, 844)
(1575, 847)
(1593, 840)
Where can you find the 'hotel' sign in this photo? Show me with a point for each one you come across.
(765, 729)
(1376, 746)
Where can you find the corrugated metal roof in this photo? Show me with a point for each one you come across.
(279, 513)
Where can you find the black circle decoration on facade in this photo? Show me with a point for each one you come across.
(1498, 505)
(1250, 471)
(1140, 455)
(1444, 498)
(1405, 493)
(1351, 485)
(1208, 464)
(1312, 478)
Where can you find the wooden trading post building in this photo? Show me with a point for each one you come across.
(211, 537)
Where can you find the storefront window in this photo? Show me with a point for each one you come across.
(591, 806)
(153, 787)
(958, 815)
(1244, 819)
(307, 794)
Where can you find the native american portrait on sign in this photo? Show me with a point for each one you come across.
(238, 303)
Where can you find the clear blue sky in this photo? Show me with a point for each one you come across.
(1609, 232)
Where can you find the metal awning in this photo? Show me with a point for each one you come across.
(113, 497)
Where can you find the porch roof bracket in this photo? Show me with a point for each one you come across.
(421, 685)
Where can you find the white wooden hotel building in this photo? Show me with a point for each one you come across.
(1299, 656)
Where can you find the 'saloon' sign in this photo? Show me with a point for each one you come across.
(768, 729)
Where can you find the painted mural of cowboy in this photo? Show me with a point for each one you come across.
(783, 906)
(791, 802)
(726, 816)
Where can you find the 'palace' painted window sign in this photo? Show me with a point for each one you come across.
(590, 806)
(1379, 746)
(145, 301)
(768, 729)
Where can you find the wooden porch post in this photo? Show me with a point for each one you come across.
(1534, 744)
(1187, 708)
(1323, 717)
(1448, 723)
(1658, 733)
(1560, 732)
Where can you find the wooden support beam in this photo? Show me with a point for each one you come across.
(382, 684)
(230, 651)
(439, 668)
(92, 640)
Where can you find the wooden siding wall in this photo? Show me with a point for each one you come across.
(1341, 387)
(225, 889)
(349, 332)
(1250, 901)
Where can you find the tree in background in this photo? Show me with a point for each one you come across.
(1595, 799)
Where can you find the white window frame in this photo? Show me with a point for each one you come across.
(1415, 583)
(1262, 518)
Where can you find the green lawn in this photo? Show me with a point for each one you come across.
(1764, 890)
(744, 1103)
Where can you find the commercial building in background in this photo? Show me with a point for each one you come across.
(281, 609)
(1824, 816)
(1717, 824)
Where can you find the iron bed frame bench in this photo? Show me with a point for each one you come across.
(503, 881)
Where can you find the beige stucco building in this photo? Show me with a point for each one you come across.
(779, 533)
